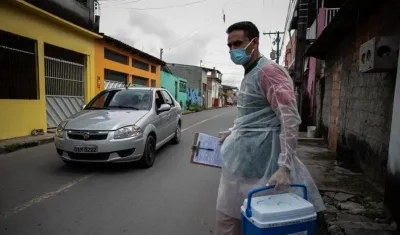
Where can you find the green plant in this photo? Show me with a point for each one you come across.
(195, 108)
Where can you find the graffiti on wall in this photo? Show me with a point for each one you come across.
(193, 97)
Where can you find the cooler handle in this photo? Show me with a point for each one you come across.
(257, 190)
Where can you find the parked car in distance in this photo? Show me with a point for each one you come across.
(120, 125)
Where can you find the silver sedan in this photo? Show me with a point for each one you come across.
(120, 125)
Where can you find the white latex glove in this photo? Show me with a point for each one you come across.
(281, 179)
(223, 135)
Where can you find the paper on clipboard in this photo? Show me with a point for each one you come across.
(206, 150)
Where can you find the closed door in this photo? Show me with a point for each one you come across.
(161, 122)
(335, 108)
(172, 114)
(176, 90)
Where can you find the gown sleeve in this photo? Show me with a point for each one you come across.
(279, 92)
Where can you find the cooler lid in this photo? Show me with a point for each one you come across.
(278, 207)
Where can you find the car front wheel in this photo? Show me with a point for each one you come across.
(149, 153)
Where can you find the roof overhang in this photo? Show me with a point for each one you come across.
(36, 10)
(133, 50)
(347, 19)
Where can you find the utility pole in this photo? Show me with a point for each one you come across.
(301, 37)
(276, 41)
(161, 52)
(201, 62)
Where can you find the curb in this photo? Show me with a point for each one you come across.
(25, 144)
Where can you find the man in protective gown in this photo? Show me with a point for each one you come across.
(260, 148)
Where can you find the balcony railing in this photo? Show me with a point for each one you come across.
(313, 32)
(329, 14)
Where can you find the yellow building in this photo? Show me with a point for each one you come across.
(46, 68)
(117, 64)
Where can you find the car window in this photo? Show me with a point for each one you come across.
(168, 99)
(159, 100)
(123, 99)
(99, 101)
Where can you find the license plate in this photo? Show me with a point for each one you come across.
(85, 149)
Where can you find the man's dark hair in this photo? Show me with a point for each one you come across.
(250, 29)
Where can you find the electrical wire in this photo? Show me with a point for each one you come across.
(197, 31)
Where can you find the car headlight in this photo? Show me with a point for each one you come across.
(127, 132)
(60, 131)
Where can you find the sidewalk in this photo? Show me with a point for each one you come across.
(11, 145)
(354, 206)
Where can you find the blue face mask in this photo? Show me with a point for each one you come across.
(239, 56)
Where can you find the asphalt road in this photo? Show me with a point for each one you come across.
(40, 195)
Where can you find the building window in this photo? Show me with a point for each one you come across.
(18, 67)
(141, 81)
(153, 69)
(111, 75)
(153, 83)
(115, 56)
(140, 65)
(182, 86)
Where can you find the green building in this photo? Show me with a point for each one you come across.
(175, 85)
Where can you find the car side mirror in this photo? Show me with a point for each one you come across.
(164, 107)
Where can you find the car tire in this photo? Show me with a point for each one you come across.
(149, 153)
(177, 137)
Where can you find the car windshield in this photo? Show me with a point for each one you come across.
(122, 99)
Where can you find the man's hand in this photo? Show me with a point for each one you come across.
(222, 136)
(281, 179)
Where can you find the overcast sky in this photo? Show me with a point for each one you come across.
(193, 32)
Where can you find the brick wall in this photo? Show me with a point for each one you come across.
(365, 101)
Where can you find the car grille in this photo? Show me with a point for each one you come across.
(89, 156)
(87, 135)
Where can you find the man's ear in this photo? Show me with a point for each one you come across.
(257, 41)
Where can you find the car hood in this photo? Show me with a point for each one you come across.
(103, 119)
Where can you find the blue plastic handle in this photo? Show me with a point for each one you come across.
(257, 190)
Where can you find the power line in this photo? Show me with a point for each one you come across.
(196, 32)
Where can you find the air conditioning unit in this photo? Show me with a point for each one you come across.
(379, 54)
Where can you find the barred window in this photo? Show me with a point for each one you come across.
(140, 80)
(153, 69)
(115, 56)
(140, 65)
(18, 67)
(65, 72)
(111, 75)
(153, 83)
(182, 86)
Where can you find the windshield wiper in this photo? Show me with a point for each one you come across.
(122, 107)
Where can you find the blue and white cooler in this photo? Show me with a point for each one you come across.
(279, 214)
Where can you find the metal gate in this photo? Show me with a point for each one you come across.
(65, 89)
(113, 84)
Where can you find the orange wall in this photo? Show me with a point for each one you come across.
(102, 63)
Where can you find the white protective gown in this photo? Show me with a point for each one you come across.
(264, 137)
